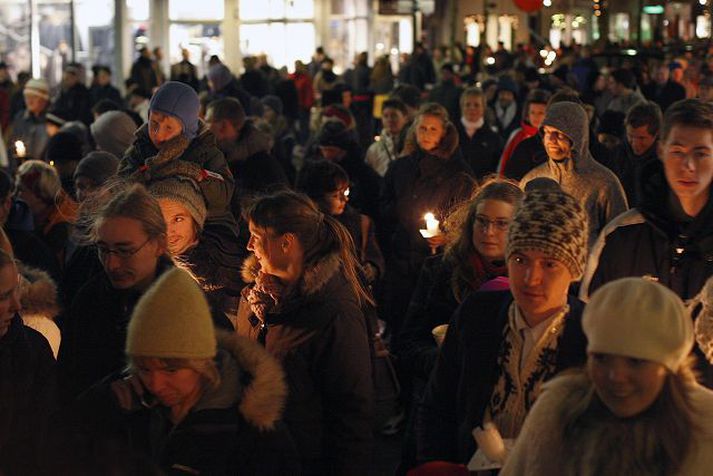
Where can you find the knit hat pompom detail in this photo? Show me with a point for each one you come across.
(638, 318)
(180, 101)
(553, 222)
(172, 321)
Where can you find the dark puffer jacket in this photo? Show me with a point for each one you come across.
(235, 428)
(27, 397)
(481, 151)
(320, 336)
(200, 159)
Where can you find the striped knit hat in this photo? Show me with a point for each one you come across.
(553, 222)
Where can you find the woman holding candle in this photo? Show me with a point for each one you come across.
(636, 408)
(431, 176)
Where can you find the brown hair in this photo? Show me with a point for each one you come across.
(688, 112)
(460, 228)
(471, 91)
(645, 113)
(657, 440)
(320, 235)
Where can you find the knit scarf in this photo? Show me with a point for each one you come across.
(517, 388)
(266, 295)
(484, 270)
(471, 127)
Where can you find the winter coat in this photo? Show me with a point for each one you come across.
(74, 104)
(381, 153)
(525, 132)
(94, 332)
(40, 306)
(447, 94)
(361, 229)
(31, 130)
(234, 90)
(418, 183)
(27, 397)
(539, 448)
(305, 91)
(215, 264)
(233, 429)
(628, 168)
(200, 159)
(665, 95)
(320, 336)
(461, 385)
(527, 155)
(144, 74)
(81, 267)
(97, 93)
(26, 245)
(656, 242)
(482, 151)
(625, 102)
(432, 304)
(599, 191)
(56, 229)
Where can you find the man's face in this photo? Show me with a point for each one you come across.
(687, 155)
(505, 98)
(615, 88)
(640, 139)
(103, 78)
(557, 144)
(662, 75)
(393, 120)
(9, 296)
(35, 104)
(69, 79)
(222, 129)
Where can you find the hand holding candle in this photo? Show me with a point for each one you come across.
(432, 233)
(20, 150)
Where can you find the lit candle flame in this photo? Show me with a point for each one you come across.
(20, 149)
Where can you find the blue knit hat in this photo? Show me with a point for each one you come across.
(180, 101)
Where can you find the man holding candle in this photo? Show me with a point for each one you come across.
(28, 135)
(502, 345)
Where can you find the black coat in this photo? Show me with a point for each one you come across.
(447, 94)
(482, 151)
(320, 336)
(94, 332)
(465, 375)
(74, 104)
(665, 95)
(27, 397)
(233, 429)
(97, 93)
(628, 168)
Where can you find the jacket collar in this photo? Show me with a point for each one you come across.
(314, 278)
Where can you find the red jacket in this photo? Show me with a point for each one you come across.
(305, 91)
(525, 132)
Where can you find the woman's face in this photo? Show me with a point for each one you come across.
(335, 202)
(180, 227)
(429, 132)
(268, 248)
(171, 386)
(393, 120)
(490, 228)
(627, 386)
(473, 108)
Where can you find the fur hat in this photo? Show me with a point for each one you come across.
(638, 318)
(98, 166)
(172, 320)
(184, 191)
(113, 132)
(37, 87)
(180, 101)
(64, 147)
(553, 222)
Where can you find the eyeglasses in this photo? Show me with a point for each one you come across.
(104, 252)
(484, 222)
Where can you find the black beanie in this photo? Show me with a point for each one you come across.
(64, 147)
(335, 133)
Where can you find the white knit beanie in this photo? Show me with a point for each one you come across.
(638, 318)
(37, 87)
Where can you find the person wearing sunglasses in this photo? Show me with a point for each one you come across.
(129, 233)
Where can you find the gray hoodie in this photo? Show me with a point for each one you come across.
(598, 189)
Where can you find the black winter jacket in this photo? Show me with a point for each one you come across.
(320, 336)
(482, 151)
(460, 387)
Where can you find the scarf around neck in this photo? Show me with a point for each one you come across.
(472, 127)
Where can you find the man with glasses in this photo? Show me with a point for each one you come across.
(129, 234)
(565, 133)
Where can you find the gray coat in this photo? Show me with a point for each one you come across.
(599, 190)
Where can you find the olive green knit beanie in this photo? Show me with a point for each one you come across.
(172, 320)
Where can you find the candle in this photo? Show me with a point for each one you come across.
(20, 149)
(431, 223)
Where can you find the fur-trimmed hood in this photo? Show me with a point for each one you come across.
(446, 148)
(313, 279)
(263, 399)
(38, 293)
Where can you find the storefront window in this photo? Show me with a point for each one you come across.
(15, 36)
(271, 27)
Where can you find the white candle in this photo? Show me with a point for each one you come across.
(431, 223)
(20, 149)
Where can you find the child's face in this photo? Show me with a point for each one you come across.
(336, 201)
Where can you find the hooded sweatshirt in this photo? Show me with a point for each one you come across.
(600, 192)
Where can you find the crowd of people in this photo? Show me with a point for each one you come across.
(498, 266)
